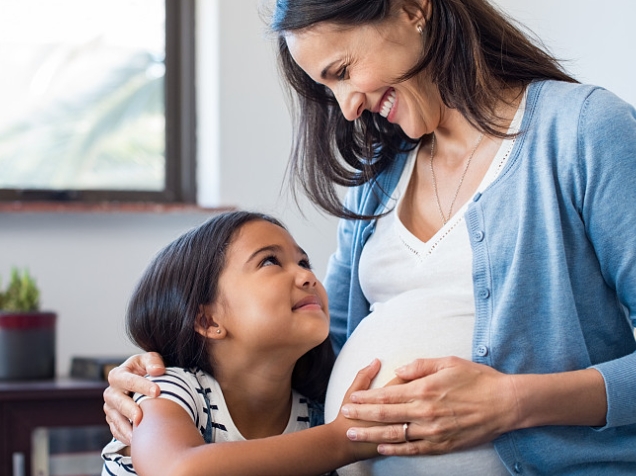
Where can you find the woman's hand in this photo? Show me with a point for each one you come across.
(450, 403)
(120, 409)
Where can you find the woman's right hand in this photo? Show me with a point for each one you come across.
(120, 409)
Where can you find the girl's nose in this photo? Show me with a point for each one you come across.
(306, 278)
(351, 102)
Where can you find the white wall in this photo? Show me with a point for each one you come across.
(594, 39)
(87, 264)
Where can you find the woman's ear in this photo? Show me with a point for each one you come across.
(418, 12)
(206, 325)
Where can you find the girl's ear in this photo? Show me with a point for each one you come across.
(205, 324)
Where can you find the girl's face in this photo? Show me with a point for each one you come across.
(270, 301)
(360, 66)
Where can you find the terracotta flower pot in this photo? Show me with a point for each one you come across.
(27, 345)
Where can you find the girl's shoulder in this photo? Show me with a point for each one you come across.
(187, 387)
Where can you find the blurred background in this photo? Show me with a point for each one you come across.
(86, 263)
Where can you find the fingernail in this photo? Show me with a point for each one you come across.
(345, 411)
(381, 449)
(400, 369)
(353, 397)
(352, 434)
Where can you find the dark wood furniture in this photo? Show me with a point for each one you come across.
(53, 403)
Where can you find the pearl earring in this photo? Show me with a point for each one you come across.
(420, 30)
(218, 331)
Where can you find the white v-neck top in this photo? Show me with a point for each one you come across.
(422, 305)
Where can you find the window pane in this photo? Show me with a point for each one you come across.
(82, 94)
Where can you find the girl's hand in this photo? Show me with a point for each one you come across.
(450, 403)
(120, 409)
(342, 425)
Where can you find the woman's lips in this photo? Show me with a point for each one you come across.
(387, 103)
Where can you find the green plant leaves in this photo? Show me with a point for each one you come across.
(22, 294)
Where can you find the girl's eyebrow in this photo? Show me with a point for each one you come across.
(273, 249)
(265, 249)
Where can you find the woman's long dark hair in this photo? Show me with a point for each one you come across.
(471, 51)
(163, 309)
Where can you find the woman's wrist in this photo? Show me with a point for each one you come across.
(576, 398)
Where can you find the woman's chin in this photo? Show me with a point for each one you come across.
(413, 132)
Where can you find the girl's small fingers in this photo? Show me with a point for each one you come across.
(365, 376)
(409, 448)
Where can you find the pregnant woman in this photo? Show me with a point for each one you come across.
(485, 250)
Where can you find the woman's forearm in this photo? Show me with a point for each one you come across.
(568, 398)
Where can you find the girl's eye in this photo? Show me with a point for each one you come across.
(342, 74)
(270, 261)
(304, 263)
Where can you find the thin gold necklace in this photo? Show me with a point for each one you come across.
(461, 180)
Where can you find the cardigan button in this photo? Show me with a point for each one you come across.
(478, 235)
(517, 467)
(482, 350)
(484, 293)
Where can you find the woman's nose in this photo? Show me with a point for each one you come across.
(351, 102)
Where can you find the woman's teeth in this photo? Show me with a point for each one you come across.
(388, 104)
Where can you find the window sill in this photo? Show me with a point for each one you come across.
(106, 207)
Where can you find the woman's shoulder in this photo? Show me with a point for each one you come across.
(565, 98)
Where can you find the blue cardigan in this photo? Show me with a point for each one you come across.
(554, 269)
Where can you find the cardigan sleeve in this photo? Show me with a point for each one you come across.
(338, 277)
(607, 153)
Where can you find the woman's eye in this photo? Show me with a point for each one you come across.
(342, 74)
(304, 263)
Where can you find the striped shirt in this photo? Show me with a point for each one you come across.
(195, 391)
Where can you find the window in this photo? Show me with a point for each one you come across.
(98, 100)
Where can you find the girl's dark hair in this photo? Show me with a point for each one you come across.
(471, 51)
(163, 309)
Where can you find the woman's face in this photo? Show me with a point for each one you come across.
(360, 65)
(270, 302)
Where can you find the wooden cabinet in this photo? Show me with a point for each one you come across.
(25, 406)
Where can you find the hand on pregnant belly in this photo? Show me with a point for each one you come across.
(450, 403)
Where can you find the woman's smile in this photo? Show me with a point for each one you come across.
(387, 104)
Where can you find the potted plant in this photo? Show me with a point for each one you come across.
(27, 335)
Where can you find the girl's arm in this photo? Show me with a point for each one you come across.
(167, 442)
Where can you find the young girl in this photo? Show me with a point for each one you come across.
(239, 317)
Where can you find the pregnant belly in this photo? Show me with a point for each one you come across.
(398, 332)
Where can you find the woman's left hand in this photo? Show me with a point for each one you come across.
(450, 403)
